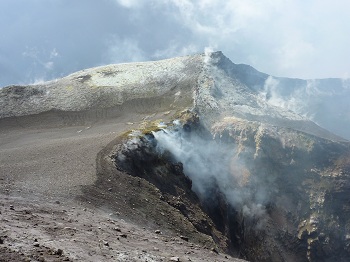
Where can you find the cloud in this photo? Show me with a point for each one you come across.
(305, 39)
(176, 49)
(53, 53)
(124, 50)
(217, 17)
(280, 37)
(49, 65)
(129, 3)
(293, 51)
(42, 63)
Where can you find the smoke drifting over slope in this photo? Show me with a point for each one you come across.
(214, 166)
(324, 101)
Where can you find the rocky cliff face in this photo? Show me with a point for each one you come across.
(264, 182)
(274, 193)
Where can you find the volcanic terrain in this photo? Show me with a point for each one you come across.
(184, 159)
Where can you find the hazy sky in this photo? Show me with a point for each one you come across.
(46, 39)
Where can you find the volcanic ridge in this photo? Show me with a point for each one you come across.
(191, 158)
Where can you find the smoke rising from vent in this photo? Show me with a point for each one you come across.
(295, 101)
(214, 166)
(324, 101)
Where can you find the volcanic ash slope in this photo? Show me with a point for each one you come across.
(190, 146)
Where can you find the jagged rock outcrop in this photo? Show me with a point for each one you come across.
(268, 184)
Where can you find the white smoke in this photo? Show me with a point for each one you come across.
(208, 59)
(212, 165)
(298, 101)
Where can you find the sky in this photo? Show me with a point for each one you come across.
(46, 39)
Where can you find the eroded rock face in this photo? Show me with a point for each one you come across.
(139, 158)
(306, 178)
(281, 197)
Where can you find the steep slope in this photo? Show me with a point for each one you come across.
(324, 101)
(193, 146)
(221, 93)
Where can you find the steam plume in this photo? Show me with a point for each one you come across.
(212, 164)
